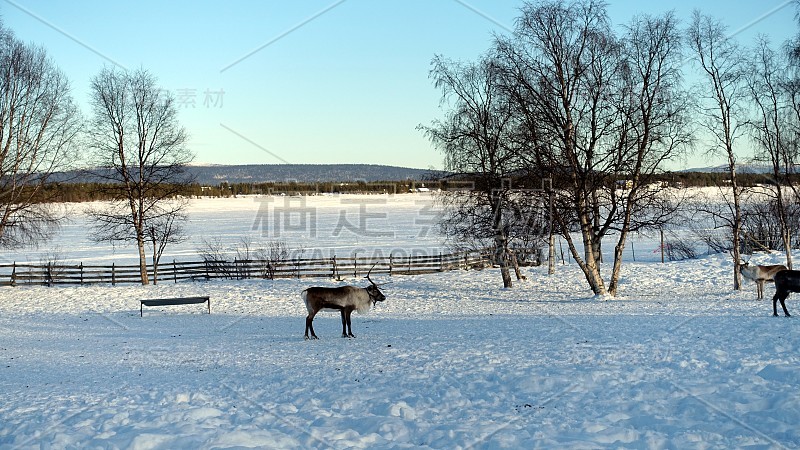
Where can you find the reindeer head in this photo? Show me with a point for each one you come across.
(375, 294)
(743, 263)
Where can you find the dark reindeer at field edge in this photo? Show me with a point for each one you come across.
(786, 281)
(344, 299)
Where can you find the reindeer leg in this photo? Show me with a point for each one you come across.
(775, 303)
(349, 324)
(344, 323)
(785, 311)
(310, 326)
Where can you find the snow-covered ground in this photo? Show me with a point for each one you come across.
(449, 360)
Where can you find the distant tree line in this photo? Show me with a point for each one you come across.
(89, 192)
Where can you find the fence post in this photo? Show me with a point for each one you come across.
(355, 265)
(333, 268)
(441, 263)
(391, 262)
(113, 275)
(81, 267)
(48, 277)
(14, 274)
(175, 271)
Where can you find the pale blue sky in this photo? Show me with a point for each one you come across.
(317, 81)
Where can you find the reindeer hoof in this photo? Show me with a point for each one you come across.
(312, 337)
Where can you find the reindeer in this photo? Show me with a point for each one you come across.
(344, 299)
(759, 274)
(786, 281)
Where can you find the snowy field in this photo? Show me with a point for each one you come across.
(449, 360)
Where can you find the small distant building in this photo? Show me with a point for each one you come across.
(659, 185)
(624, 184)
(420, 188)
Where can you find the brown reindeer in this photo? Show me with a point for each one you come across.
(344, 299)
(760, 275)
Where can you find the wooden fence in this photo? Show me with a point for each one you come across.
(52, 273)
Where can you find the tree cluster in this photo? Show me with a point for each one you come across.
(598, 112)
(39, 124)
(135, 140)
(569, 99)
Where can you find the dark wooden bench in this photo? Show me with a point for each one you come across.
(174, 301)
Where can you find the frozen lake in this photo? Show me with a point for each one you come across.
(323, 225)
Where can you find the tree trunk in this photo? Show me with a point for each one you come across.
(142, 260)
(551, 255)
(155, 264)
(515, 263)
(591, 263)
(613, 285)
(737, 224)
(597, 243)
(784, 223)
(589, 266)
(592, 272)
(500, 257)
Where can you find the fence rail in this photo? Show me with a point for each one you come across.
(175, 271)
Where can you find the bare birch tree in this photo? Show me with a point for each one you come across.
(558, 68)
(723, 98)
(139, 149)
(475, 139)
(655, 126)
(600, 111)
(39, 124)
(771, 130)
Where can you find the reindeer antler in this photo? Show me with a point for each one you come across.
(370, 271)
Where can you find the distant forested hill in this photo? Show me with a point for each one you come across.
(213, 175)
(306, 173)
